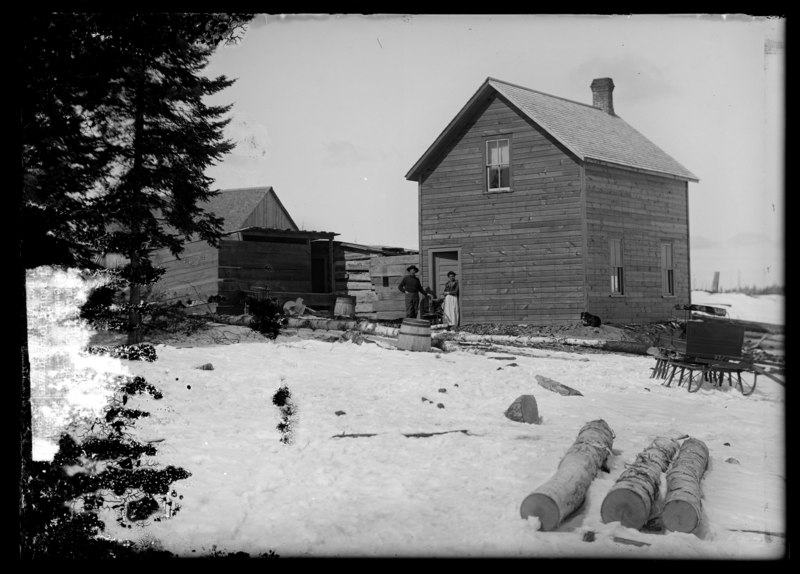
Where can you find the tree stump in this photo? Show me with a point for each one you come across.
(630, 500)
(565, 491)
(682, 506)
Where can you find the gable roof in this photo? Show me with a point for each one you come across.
(589, 133)
(236, 206)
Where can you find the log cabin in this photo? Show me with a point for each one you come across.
(547, 207)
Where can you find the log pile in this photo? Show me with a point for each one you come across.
(370, 273)
(561, 343)
(353, 278)
(631, 500)
(565, 491)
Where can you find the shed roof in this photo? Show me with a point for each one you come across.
(267, 232)
(589, 133)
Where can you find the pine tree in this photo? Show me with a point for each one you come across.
(115, 139)
(163, 136)
(63, 157)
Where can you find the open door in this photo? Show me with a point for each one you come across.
(442, 262)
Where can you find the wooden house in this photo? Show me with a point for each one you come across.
(262, 253)
(547, 207)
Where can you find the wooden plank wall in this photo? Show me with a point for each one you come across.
(644, 211)
(192, 277)
(278, 266)
(386, 272)
(268, 213)
(521, 250)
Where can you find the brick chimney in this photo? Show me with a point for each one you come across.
(602, 90)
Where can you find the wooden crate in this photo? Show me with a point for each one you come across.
(714, 340)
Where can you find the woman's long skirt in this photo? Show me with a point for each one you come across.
(450, 310)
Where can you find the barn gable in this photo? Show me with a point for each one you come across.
(250, 207)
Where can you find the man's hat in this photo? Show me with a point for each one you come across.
(410, 267)
(449, 273)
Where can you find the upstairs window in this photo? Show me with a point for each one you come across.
(667, 270)
(498, 169)
(617, 276)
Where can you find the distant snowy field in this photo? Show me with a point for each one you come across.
(448, 495)
(761, 308)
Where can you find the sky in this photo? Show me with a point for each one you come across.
(333, 110)
(307, 493)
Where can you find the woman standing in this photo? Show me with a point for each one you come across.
(451, 300)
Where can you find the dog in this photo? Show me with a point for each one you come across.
(590, 320)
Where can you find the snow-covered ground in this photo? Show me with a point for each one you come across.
(761, 308)
(456, 494)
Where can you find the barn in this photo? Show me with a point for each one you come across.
(262, 253)
(547, 207)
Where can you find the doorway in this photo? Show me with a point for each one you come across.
(442, 262)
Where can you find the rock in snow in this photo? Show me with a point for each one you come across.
(524, 410)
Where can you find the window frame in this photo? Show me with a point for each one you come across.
(486, 165)
(616, 267)
(667, 269)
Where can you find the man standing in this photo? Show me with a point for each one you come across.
(412, 287)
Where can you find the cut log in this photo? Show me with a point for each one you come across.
(565, 491)
(556, 387)
(630, 500)
(532, 341)
(682, 505)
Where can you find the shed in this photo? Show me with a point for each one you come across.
(262, 251)
(547, 207)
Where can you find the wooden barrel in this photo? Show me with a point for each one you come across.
(345, 307)
(415, 335)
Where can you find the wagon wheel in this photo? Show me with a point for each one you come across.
(746, 388)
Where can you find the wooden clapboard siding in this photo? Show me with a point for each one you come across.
(196, 290)
(644, 211)
(521, 254)
(192, 275)
(270, 213)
